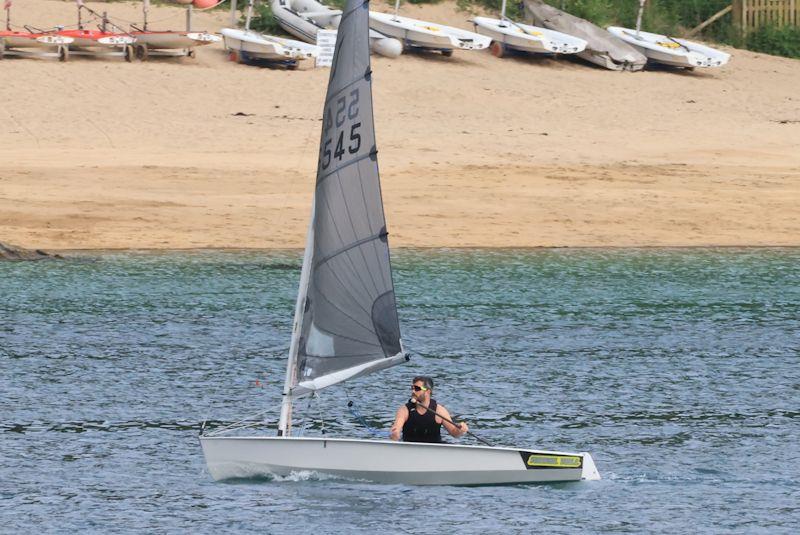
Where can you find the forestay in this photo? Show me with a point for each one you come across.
(346, 319)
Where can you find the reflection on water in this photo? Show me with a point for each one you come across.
(676, 368)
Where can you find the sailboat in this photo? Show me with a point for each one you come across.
(346, 323)
(507, 34)
(426, 35)
(667, 50)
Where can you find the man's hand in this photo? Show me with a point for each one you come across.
(394, 434)
(463, 428)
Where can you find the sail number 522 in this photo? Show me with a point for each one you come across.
(346, 109)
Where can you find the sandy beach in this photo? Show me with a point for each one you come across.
(474, 150)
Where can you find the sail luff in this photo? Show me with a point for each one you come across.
(348, 323)
(285, 422)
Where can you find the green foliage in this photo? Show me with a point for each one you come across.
(783, 41)
(263, 20)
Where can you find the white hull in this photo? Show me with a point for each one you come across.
(671, 50)
(174, 40)
(429, 35)
(528, 38)
(42, 41)
(266, 47)
(384, 461)
(303, 18)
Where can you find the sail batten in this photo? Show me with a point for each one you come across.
(347, 325)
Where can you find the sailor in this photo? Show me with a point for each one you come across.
(421, 419)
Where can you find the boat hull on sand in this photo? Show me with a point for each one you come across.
(427, 35)
(12, 39)
(97, 39)
(174, 40)
(671, 51)
(304, 18)
(527, 38)
(266, 47)
(385, 461)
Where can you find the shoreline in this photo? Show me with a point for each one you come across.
(474, 151)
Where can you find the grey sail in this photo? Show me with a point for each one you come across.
(346, 318)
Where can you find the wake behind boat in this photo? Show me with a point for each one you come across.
(346, 323)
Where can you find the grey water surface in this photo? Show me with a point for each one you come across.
(678, 369)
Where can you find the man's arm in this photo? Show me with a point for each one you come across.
(399, 421)
(453, 430)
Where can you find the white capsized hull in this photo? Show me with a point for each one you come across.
(527, 38)
(430, 35)
(385, 461)
(175, 40)
(671, 51)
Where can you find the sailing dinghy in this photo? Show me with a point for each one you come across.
(426, 35)
(249, 46)
(346, 322)
(668, 50)
(507, 34)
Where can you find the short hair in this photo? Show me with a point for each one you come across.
(426, 381)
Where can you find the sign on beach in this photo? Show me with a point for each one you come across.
(326, 41)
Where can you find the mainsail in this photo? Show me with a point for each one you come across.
(346, 317)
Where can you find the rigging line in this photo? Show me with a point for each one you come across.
(231, 426)
(363, 240)
(350, 260)
(355, 412)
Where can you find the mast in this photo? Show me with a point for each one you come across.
(285, 423)
(249, 15)
(146, 9)
(638, 17)
(503, 14)
(396, 8)
(7, 5)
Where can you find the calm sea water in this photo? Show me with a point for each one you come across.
(678, 369)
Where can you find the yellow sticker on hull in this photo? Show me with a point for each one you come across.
(554, 461)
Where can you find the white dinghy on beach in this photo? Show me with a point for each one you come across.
(346, 323)
(667, 50)
(304, 18)
(248, 45)
(426, 35)
(507, 34)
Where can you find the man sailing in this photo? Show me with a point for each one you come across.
(421, 419)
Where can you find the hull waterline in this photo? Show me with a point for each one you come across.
(383, 461)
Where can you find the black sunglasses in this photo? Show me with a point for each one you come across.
(416, 388)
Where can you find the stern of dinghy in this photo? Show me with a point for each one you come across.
(589, 472)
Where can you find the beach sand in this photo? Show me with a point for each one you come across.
(474, 150)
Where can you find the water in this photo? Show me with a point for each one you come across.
(677, 369)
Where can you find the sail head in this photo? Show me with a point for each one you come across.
(349, 323)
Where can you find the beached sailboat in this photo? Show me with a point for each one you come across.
(426, 35)
(672, 51)
(304, 18)
(346, 323)
(168, 42)
(507, 34)
(248, 45)
(31, 43)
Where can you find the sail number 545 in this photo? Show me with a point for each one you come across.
(346, 109)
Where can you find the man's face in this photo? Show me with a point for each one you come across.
(421, 392)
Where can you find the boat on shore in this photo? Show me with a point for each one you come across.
(425, 35)
(170, 42)
(672, 51)
(603, 48)
(249, 46)
(304, 18)
(34, 44)
(507, 34)
(346, 323)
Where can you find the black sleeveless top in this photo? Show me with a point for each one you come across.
(422, 427)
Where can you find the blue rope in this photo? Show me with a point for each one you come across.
(363, 421)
